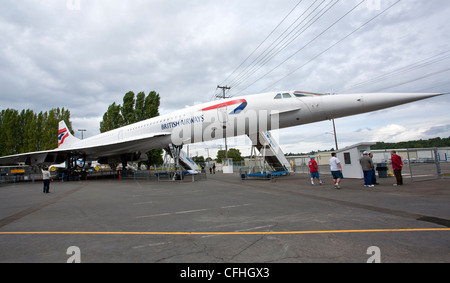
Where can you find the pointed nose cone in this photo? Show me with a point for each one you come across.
(377, 101)
(352, 104)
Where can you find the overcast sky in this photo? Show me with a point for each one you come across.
(84, 55)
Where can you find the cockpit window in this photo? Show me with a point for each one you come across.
(296, 94)
(284, 95)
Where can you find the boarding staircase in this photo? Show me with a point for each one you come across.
(184, 160)
(270, 151)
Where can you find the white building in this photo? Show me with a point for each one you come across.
(350, 156)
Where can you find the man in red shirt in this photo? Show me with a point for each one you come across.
(397, 165)
(314, 170)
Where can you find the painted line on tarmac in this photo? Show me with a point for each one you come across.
(224, 233)
(191, 211)
(399, 213)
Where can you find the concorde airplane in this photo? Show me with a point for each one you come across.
(246, 115)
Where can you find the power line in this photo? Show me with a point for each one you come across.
(265, 52)
(273, 49)
(401, 71)
(299, 26)
(290, 12)
(285, 42)
(216, 95)
(302, 48)
(415, 79)
(333, 45)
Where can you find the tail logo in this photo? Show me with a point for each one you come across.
(62, 135)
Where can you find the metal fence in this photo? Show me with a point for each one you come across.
(162, 175)
(419, 164)
(425, 168)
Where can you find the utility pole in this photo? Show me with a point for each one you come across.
(223, 90)
(335, 137)
(224, 97)
(82, 130)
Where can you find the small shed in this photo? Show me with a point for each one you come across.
(349, 157)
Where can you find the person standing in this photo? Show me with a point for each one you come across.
(314, 170)
(397, 165)
(367, 167)
(374, 175)
(336, 170)
(46, 177)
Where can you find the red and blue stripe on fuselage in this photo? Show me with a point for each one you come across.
(242, 104)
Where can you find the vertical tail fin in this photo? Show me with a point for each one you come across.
(65, 138)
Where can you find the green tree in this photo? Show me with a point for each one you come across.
(151, 109)
(154, 157)
(112, 119)
(233, 153)
(198, 159)
(39, 128)
(128, 113)
(29, 134)
(151, 105)
(27, 131)
(139, 111)
(434, 142)
(132, 111)
(9, 132)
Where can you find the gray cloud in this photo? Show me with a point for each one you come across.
(438, 131)
(86, 59)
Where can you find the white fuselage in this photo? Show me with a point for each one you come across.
(246, 115)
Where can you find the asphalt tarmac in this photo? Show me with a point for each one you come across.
(224, 219)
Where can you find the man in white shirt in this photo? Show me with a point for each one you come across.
(46, 177)
(336, 170)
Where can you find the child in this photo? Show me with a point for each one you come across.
(314, 170)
